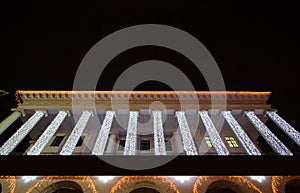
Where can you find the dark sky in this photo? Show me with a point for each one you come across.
(256, 45)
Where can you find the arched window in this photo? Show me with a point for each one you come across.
(63, 187)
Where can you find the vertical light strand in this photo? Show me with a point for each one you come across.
(213, 134)
(101, 140)
(188, 141)
(159, 139)
(40, 144)
(70, 144)
(18, 136)
(271, 139)
(286, 127)
(130, 144)
(241, 134)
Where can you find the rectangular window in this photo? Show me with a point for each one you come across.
(231, 142)
(121, 145)
(168, 145)
(57, 141)
(145, 145)
(208, 142)
(80, 141)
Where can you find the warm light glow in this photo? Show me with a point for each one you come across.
(181, 179)
(161, 182)
(260, 179)
(28, 178)
(105, 179)
(202, 182)
(52, 179)
(11, 180)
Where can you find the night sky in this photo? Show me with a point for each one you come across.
(256, 45)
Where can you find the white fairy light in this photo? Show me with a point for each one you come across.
(130, 144)
(213, 134)
(188, 141)
(76, 133)
(181, 179)
(271, 139)
(40, 144)
(18, 136)
(240, 133)
(105, 179)
(259, 179)
(103, 134)
(28, 178)
(287, 128)
(159, 140)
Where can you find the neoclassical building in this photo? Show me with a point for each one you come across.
(147, 123)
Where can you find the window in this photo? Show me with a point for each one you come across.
(145, 145)
(121, 145)
(57, 141)
(231, 142)
(80, 141)
(168, 145)
(208, 142)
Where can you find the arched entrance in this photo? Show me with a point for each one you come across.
(223, 186)
(292, 186)
(144, 190)
(63, 187)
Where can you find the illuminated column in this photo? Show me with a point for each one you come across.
(18, 136)
(188, 141)
(76, 133)
(240, 133)
(271, 139)
(111, 143)
(213, 134)
(101, 140)
(40, 144)
(283, 125)
(130, 144)
(159, 139)
(9, 120)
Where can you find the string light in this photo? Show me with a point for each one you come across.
(103, 134)
(272, 140)
(40, 144)
(188, 141)
(130, 144)
(76, 133)
(240, 133)
(11, 180)
(213, 134)
(202, 182)
(18, 136)
(159, 140)
(287, 128)
(44, 182)
(165, 184)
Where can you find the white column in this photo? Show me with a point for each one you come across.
(159, 139)
(188, 141)
(69, 146)
(18, 136)
(130, 144)
(241, 134)
(111, 143)
(283, 125)
(213, 134)
(101, 140)
(9, 120)
(271, 139)
(178, 141)
(40, 144)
